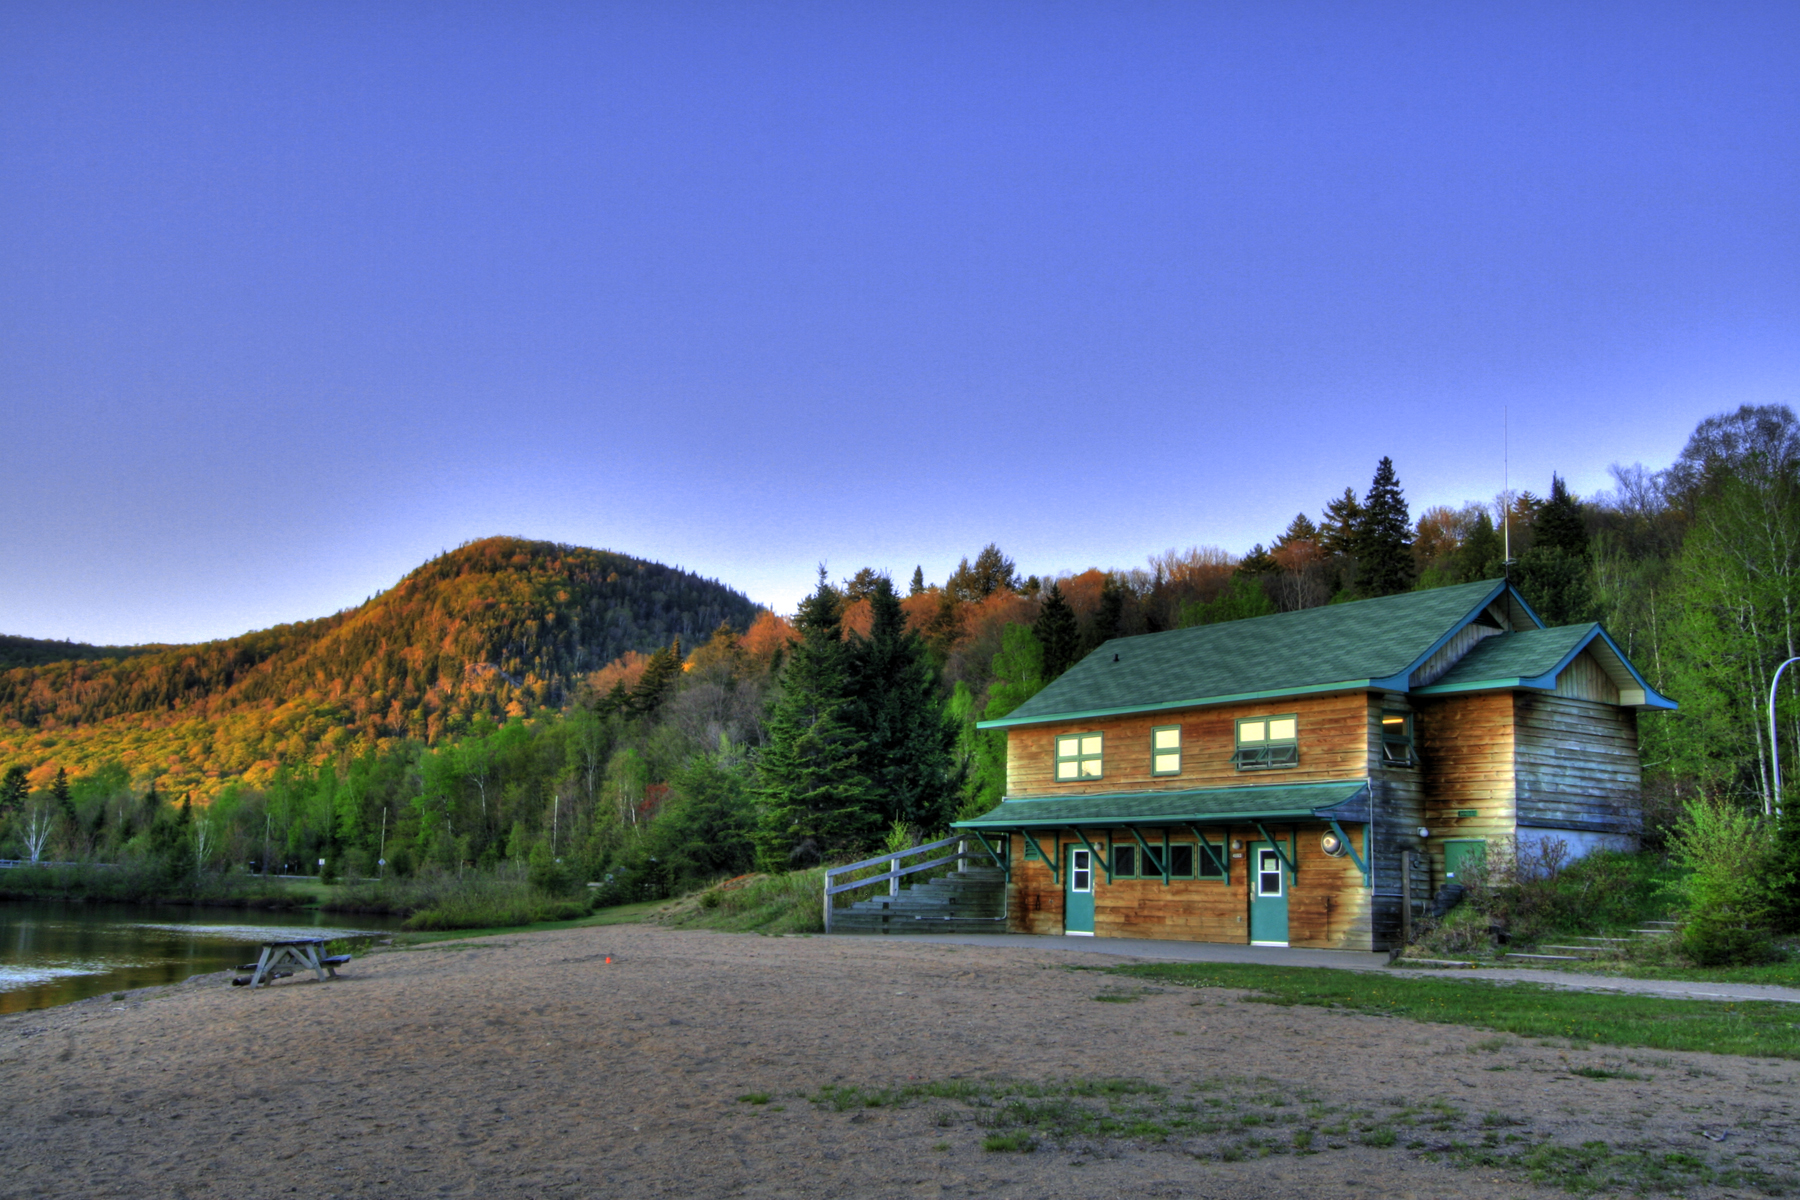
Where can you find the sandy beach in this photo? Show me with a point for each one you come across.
(528, 1065)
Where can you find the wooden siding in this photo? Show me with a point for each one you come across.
(1467, 762)
(1585, 679)
(1328, 907)
(1452, 651)
(1334, 744)
(1577, 763)
(1397, 803)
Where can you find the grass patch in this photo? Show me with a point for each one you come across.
(1763, 1029)
(787, 903)
(1230, 1119)
(470, 900)
(755, 1098)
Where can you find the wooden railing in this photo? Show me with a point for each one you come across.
(960, 857)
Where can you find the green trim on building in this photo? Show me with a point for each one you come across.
(1210, 806)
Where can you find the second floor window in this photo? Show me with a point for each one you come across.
(1077, 756)
(1397, 739)
(1264, 742)
(1165, 750)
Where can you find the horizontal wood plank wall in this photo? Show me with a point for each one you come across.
(1451, 653)
(1328, 907)
(1585, 679)
(1467, 758)
(1333, 732)
(1397, 796)
(1578, 762)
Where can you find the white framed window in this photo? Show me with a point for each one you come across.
(1265, 742)
(1165, 750)
(1078, 756)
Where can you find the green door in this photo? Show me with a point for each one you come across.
(1459, 855)
(1078, 893)
(1268, 897)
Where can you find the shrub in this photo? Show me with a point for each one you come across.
(1729, 892)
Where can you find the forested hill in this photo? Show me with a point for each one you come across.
(494, 627)
(35, 652)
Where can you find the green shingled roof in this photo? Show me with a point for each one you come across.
(1525, 655)
(1269, 802)
(1315, 649)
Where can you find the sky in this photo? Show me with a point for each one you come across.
(296, 296)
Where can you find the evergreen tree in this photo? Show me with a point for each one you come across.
(816, 798)
(1058, 633)
(150, 807)
(1554, 575)
(1339, 529)
(1109, 617)
(13, 790)
(1300, 529)
(1559, 525)
(861, 585)
(918, 582)
(59, 792)
(898, 711)
(992, 572)
(1479, 555)
(1258, 562)
(1384, 537)
(658, 681)
(1018, 675)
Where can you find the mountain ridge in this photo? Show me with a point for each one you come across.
(497, 627)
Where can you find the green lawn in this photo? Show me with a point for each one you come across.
(1761, 1029)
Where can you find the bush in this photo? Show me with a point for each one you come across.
(472, 900)
(1730, 890)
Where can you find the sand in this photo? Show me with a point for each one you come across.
(527, 1065)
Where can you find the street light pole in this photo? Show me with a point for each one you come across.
(1773, 805)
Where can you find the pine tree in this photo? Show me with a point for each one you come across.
(1479, 555)
(1340, 525)
(992, 572)
(1258, 562)
(1553, 574)
(1300, 529)
(1057, 632)
(898, 712)
(918, 582)
(1109, 617)
(59, 792)
(1384, 537)
(1559, 525)
(816, 799)
(13, 790)
(658, 681)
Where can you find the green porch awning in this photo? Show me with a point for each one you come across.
(1344, 801)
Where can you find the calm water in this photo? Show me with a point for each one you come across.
(52, 953)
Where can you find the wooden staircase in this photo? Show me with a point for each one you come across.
(967, 901)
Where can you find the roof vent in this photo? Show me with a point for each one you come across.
(1115, 658)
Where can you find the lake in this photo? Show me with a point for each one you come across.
(53, 952)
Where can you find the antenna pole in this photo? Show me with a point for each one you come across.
(1506, 492)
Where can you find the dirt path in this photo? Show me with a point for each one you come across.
(528, 1065)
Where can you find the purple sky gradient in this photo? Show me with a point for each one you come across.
(292, 297)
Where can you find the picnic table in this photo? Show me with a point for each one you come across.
(305, 954)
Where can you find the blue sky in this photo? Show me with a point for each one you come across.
(293, 297)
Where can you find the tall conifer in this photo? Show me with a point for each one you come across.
(1057, 632)
(898, 711)
(816, 798)
(1384, 538)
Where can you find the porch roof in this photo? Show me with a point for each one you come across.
(1344, 800)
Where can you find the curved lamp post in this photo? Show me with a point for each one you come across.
(1774, 750)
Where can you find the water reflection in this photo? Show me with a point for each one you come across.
(52, 952)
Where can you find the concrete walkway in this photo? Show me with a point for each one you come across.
(1356, 960)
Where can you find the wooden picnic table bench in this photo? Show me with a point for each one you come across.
(304, 953)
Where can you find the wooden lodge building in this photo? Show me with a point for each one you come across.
(1258, 781)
